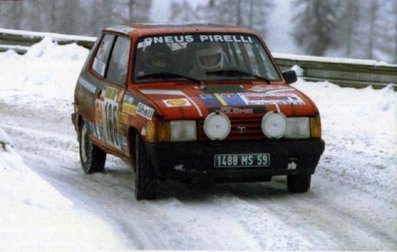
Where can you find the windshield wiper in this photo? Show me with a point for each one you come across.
(166, 75)
(236, 72)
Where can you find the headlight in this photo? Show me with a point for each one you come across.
(274, 125)
(176, 131)
(183, 131)
(298, 128)
(217, 126)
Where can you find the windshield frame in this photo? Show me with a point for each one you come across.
(268, 60)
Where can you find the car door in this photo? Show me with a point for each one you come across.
(108, 101)
(91, 79)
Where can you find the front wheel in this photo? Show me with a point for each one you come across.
(91, 156)
(298, 183)
(145, 180)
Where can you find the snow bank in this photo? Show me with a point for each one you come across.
(33, 213)
(46, 70)
(360, 131)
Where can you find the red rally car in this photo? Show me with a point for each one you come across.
(195, 103)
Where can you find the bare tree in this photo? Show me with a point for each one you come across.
(182, 12)
(315, 25)
(247, 13)
(349, 20)
(394, 8)
(373, 10)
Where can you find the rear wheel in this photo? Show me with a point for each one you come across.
(145, 180)
(91, 156)
(298, 183)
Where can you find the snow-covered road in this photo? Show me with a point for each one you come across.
(352, 204)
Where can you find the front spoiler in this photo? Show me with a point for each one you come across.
(195, 161)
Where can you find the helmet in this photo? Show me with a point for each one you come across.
(157, 56)
(210, 57)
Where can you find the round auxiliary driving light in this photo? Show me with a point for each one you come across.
(274, 125)
(217, 126)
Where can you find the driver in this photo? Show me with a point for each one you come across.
(157, 58)
(210, 57)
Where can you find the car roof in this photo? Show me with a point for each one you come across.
(143, 29)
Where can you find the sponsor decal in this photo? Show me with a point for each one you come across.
(99, 67)
(123, 119)
(232, 110)
(175, 103)
(127, 106)
(144, 111)
(98, 112)
(129, 109)
(267, 88)
(172, 92)
(271, 98)
(111, 93)
(106, 121)
(232, 99)
(128, 99)
(225, 38)
(261, 88)
(87, 85)
(220, 99)
(209, 100)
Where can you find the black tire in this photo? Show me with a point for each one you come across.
(299, 183)
(92, 157)
(145, 180)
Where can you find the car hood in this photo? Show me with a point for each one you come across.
(193, 102)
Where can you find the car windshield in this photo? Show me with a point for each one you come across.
(202, 57)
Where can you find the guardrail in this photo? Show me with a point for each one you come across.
(344, 72)
(22, 40)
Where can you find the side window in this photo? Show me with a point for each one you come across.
(118, 64)
(102, 55)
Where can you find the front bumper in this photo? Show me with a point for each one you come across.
(195, 161)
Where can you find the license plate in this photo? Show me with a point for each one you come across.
(242, 160)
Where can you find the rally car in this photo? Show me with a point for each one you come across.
(194, 103)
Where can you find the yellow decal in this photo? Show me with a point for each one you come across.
(150, 131)
(111, 93)
(220, 99)
(129, 109)
(98, 113)
(177, 103)
(123, 118)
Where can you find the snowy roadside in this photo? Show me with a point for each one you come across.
(34, 214)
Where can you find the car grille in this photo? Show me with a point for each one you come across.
(242, 129)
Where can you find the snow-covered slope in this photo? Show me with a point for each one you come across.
(47, 202)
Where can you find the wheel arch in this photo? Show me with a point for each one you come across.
(131, 137)
(77, 121)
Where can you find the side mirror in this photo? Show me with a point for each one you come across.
(290, 76)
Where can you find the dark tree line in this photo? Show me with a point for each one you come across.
(248, 13)
(347, 28)
(83, 17)
(343, 28)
